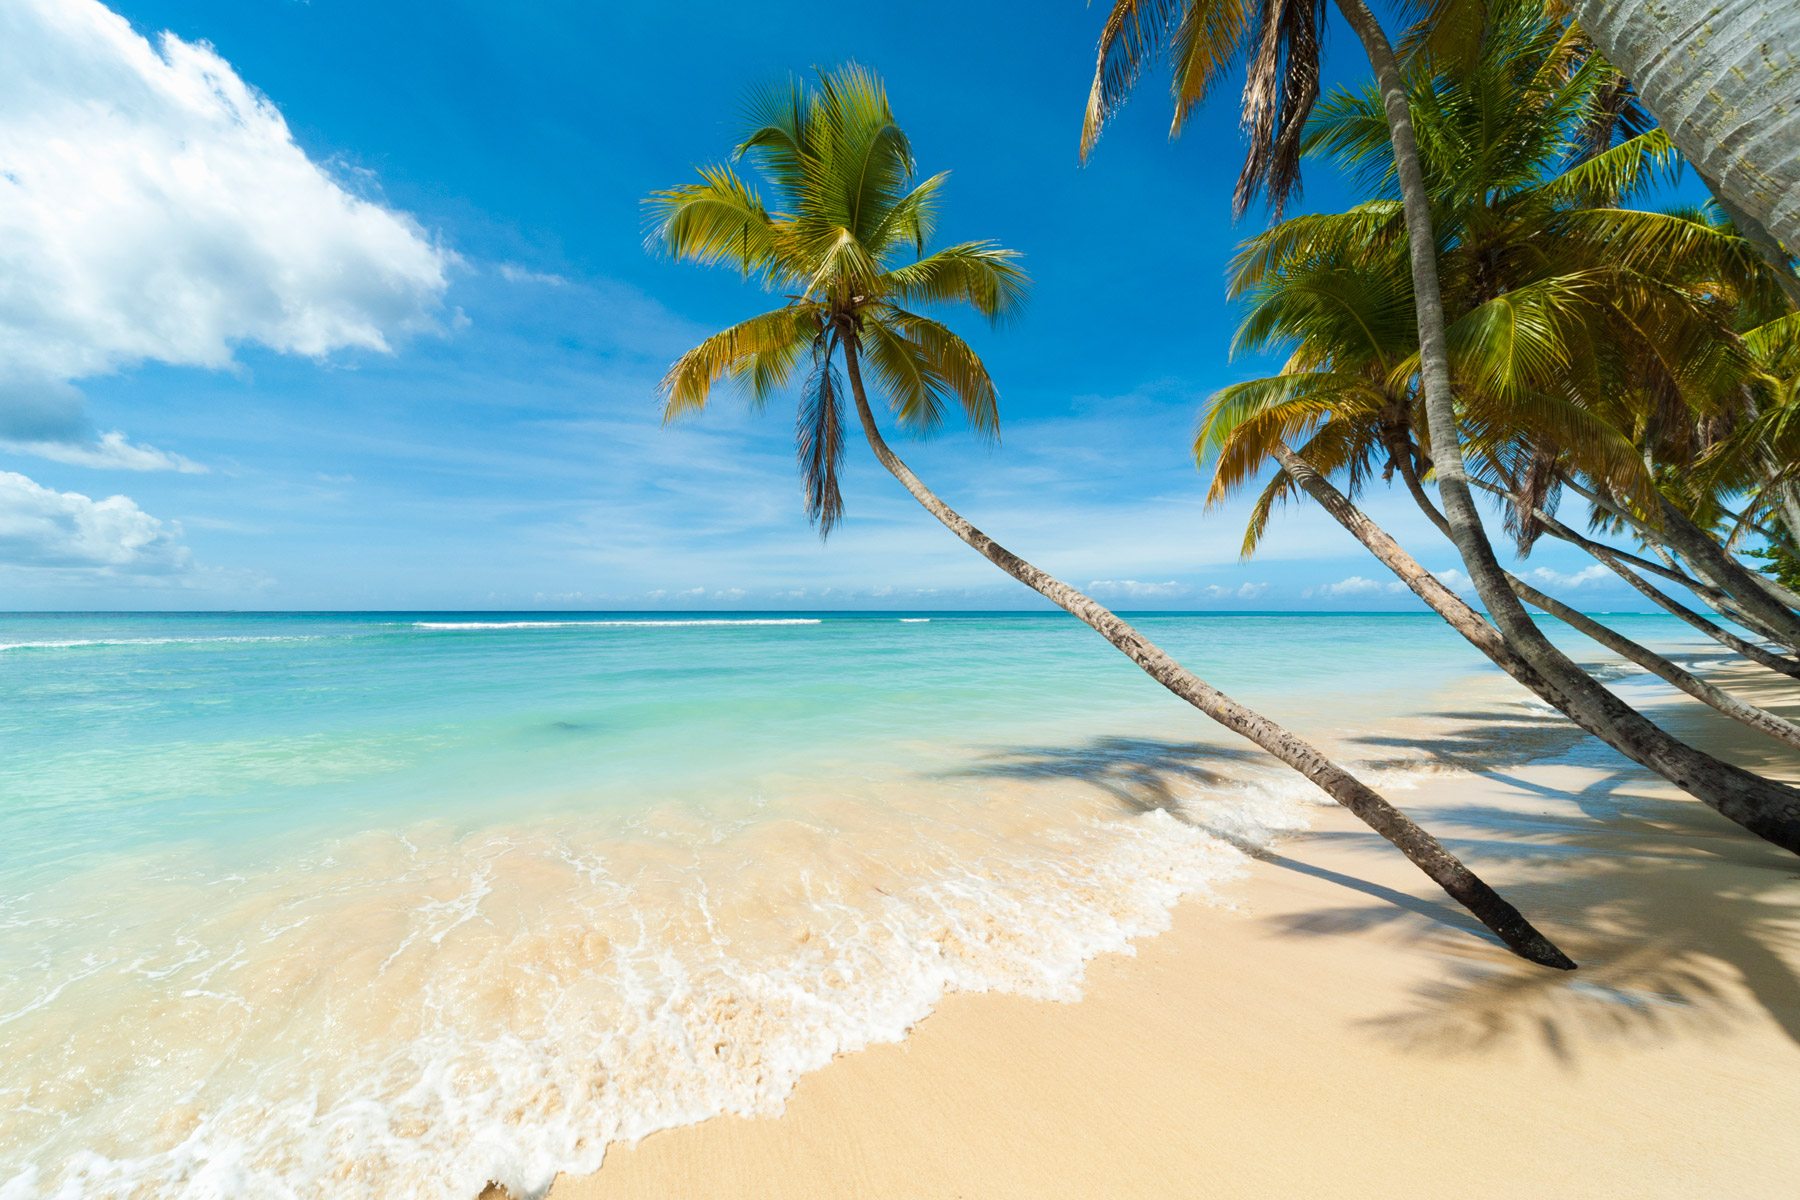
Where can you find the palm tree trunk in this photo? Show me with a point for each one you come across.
(1425, 851)
(1483, 636)
(1715, 599)
(1768, 809)
(1758, 235)
(1748, 650)
(1721, 588)
(1746, 588)
(1759, 719)
(1723, 77)
(1623, 564)
(1787, 495)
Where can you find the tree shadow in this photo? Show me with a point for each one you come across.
(1681, 921)
(1198, 784)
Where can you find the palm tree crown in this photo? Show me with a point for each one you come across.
(844, 244)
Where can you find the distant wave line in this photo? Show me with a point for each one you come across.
(70, 643)
(466, 625)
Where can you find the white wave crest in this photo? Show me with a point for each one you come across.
(72, 643)
(656, 624)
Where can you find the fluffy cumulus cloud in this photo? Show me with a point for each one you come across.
(155, 207)
(1243, 591)
(41, 527)
(1586, 577)
(1134, 589)
(1357, 585)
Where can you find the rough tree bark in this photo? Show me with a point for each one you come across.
(1723, 77)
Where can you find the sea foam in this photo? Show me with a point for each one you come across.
(418, 1015)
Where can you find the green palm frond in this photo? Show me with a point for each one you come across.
(983, 275)
(1136, 31)
(763, 351)
(844, 238)
(965, 377)
(718, 220)
(1618, 172)
(914, 387)
(1242, 423)
(1363, 231)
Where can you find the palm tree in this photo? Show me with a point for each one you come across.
(1333, 286)
(845, 248)
(1724, 80)
(1137, 30)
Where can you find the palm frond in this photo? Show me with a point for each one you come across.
(819, 439)
(952, 360)
(981, 274)
(720, 219)
(762, 351)
(1281, 86)
(1135, 32)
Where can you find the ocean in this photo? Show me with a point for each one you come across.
(384, 904)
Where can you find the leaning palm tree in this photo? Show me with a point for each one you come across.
(1724, 80)
(1201, 37)
(845, 248)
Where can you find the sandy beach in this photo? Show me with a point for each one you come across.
(1344, 1031)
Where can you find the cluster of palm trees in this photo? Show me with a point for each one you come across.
(1494, 318)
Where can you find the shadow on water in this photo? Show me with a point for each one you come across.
(1682, 922)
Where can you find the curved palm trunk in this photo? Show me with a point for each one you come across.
(1742, 711)
(1668, 569)
(1484, 637)
(1758, 235)
(1748, 589)
(1723, 77)
(1425, 851)
(1766, 808)
(1759, 719)
(1723, 581)
(1621, 565)
(1749, 650)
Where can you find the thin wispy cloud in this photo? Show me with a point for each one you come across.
(1358, 585)
(110, 451)
(515, 273)
(1133, 589)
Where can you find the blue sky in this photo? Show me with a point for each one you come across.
(345, 305)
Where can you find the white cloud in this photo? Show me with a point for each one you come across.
(1132, 588)
(1585, 577)
(1243, 591)
(155, 207)
(1455, 580)
(514, 273)
(111, 450)
(1356, 585)
(40, 527)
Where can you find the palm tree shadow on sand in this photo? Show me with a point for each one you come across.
(1681, 922)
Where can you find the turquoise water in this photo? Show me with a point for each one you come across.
(404, 841)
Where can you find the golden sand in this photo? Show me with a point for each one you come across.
(1347, 1032)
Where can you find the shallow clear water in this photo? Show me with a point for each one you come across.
(397, 903)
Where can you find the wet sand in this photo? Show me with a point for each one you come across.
(1346, 1031)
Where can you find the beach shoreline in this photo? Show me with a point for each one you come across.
(1338, 1028)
